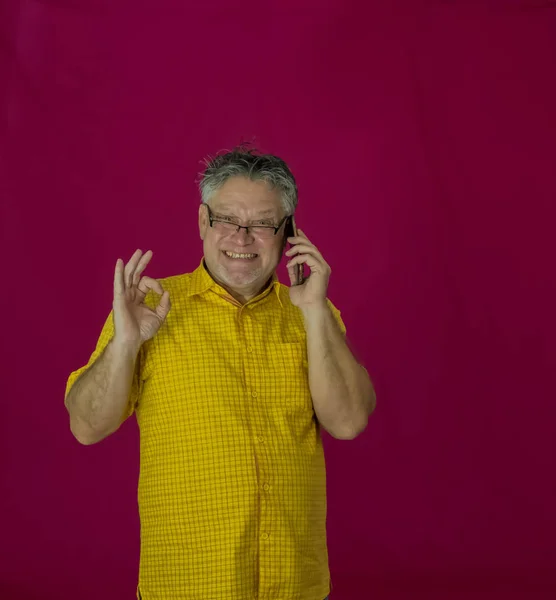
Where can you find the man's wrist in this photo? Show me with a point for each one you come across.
(315, 311)
(126, 347)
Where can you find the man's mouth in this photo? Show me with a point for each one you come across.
(243, 255)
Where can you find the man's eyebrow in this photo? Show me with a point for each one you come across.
(264, 213)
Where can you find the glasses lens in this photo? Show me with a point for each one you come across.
(262, 232)
(224, 227)
(258, 230)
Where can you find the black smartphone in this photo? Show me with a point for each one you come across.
(292, 232)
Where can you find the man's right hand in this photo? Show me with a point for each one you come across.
(134, 321)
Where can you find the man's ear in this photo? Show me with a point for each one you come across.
(203, 221)
(287, 233)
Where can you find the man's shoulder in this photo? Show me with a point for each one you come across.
(181, 280)
(178, 286)
(283, 292)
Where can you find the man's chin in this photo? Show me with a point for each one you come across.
(238, 276)
(237, 281)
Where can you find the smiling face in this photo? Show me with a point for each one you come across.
(242, 262)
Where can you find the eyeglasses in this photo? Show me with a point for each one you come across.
(227, 225)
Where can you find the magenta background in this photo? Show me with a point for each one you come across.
(423, 137)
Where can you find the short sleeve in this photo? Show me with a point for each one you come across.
(106, 335)
(337, 316)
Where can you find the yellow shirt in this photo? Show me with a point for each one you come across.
(232, 486)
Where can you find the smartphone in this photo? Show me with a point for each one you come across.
(292, 232)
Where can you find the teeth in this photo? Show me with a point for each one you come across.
(235, 255)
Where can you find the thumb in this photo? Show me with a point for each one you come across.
(292, 273)
(164, 305)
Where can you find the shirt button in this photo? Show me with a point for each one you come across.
(266, 487)
(265, 536)
(254, 394)
(249, 349)
(260, 438)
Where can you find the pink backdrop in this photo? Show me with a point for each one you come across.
(423, 137)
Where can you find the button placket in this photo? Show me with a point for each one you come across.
(252, 358)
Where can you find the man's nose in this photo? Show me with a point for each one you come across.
(243, 235)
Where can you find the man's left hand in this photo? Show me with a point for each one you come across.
(312, 292)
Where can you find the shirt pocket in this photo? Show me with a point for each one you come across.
(288, 378)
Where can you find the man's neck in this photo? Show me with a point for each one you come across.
(241, 297)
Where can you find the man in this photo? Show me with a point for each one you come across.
(230, 388)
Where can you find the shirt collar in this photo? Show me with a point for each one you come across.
(201, 281)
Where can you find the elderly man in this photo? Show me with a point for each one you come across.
(230, 388)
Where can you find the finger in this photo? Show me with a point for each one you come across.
(141, 266)
(306, 259)
(298, 239)
(315, 265)
(305, 249)
(164, 305)
(131, 266)
(298, 247)
(148, 283)
(119, 286)
(293, 275)
(302, 249)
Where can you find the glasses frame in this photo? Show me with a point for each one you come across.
(213, 219)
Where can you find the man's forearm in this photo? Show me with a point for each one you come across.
(343, 395)
(97, 400)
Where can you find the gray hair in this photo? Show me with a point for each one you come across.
(250, 163)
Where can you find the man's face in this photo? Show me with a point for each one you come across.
(245, 202)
